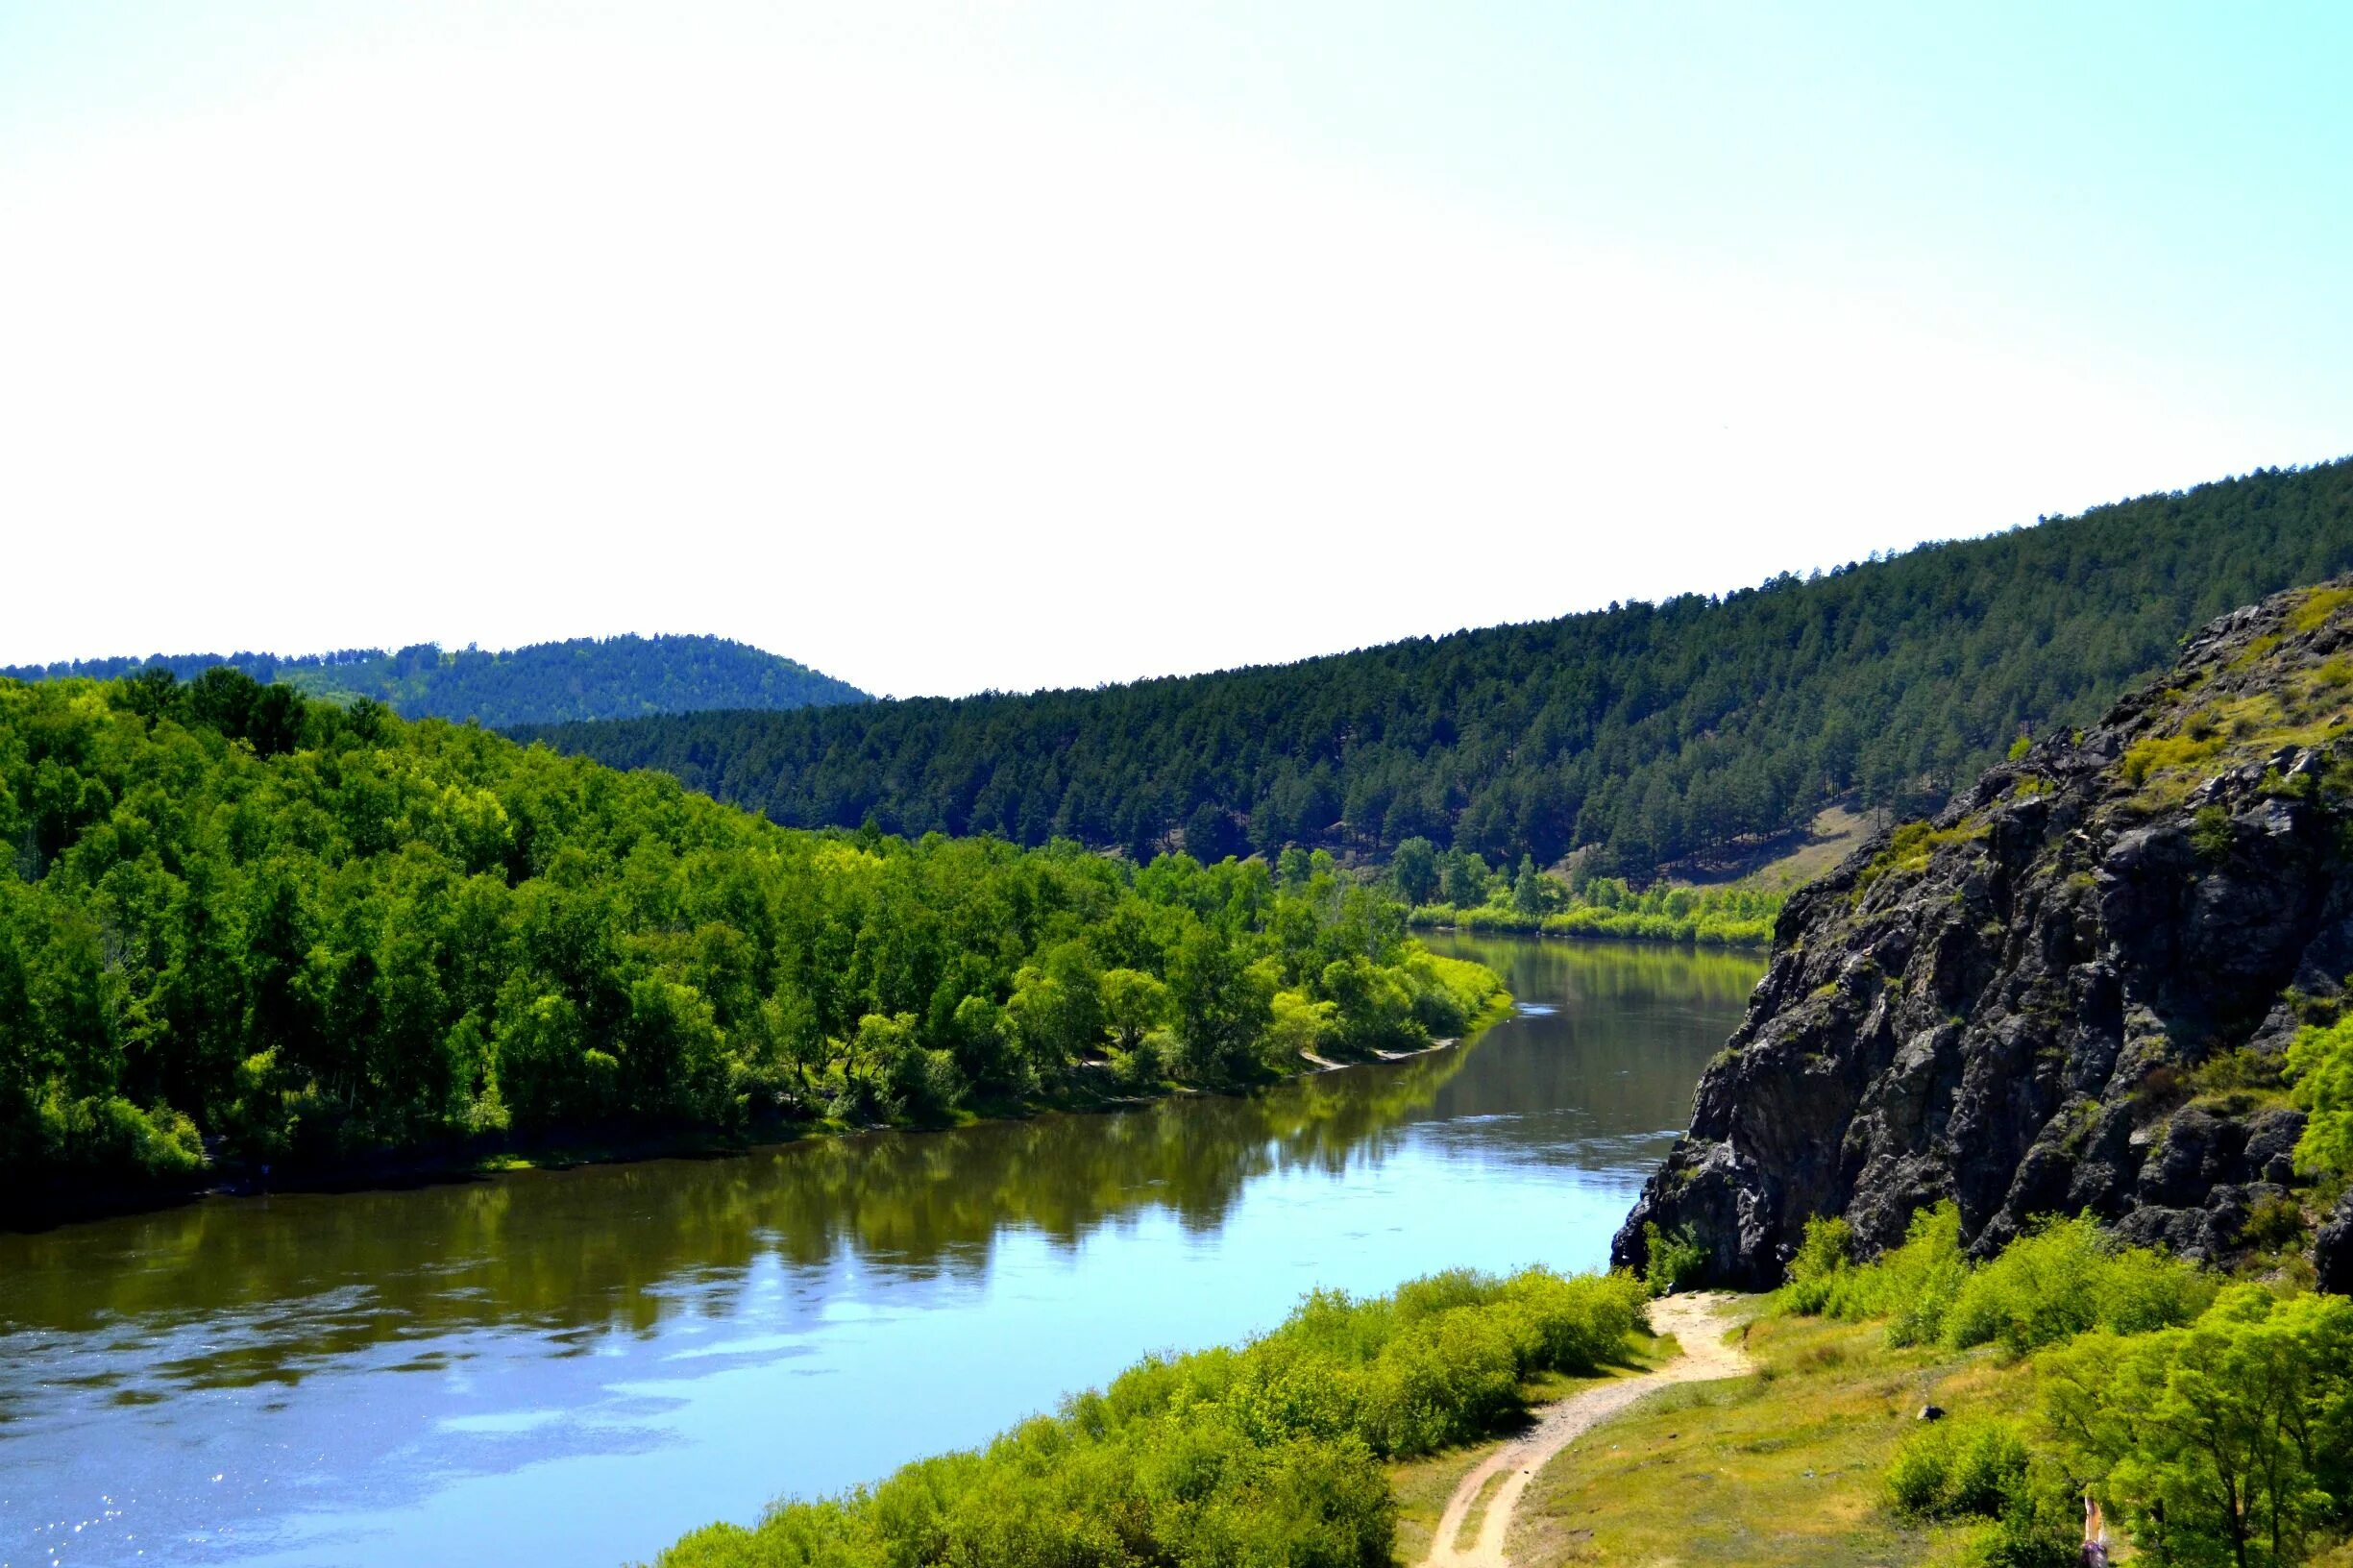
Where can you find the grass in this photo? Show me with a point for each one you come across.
(1421, 1486)
(1911, 846)
(2305, 708)
(1475, 1515)
(1834, 834)
(1782, 1467)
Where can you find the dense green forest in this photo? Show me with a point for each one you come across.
(236, 922)
(1270, 1453)
(1656, 730)
(584, 678)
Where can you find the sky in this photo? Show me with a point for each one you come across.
(948, 346)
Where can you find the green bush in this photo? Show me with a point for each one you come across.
(2068, 1278)
(2216, 1423)
(1579, 1324)
(2228, 1440)
(1675, 1258)
(2065, 1278)
(2040, 1525)
(1267, 1453)
(2320, 1064)
(1824, 1262)
(1969, 1467)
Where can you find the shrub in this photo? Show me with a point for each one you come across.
(1958, 1469)
(1266, 1454)
(1673, 1259)
(2040, 1525)
(1579, 1324)
(1824, 1262)
(1921, 1280)
(2064, 1278)
(2320, 1064)
(2068, 1278)
(1913, 1285)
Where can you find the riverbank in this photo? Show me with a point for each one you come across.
(1273, 1451)
(1090, 1088)
(399, 1376)
(1484, 923)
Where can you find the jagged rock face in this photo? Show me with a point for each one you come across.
(2071, 991)
(2332, 1251)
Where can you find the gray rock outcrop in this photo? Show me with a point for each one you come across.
(2070, 992)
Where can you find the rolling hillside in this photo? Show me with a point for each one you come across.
(1656, 730)
(583, 679)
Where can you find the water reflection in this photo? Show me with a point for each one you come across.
(319, 1274)
(575, 1365)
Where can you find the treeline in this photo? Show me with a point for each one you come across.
(1659, 732)
(238, 924)
(1267, 1453)
(1455, 890)
(2212, 1419)
(584, 678)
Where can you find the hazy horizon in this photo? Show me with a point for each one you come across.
(962, 348)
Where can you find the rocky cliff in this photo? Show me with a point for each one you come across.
(2070, 990)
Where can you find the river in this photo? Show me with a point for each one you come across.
(574, 1367)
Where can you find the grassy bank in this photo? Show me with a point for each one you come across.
(1280, 1451)
(2210, 1416)
(1783, 1468)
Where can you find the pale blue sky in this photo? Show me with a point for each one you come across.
(916, 340)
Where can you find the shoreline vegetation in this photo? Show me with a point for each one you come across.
(243, 934)
(1919, 1407)
(506, 1154)
(1454, 890)
(1279, 1450)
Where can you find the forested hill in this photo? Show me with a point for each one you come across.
(1658, 730)
(583, 679)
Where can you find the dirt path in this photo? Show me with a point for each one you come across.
(1692, 1320)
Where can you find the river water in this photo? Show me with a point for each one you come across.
(574, 1367)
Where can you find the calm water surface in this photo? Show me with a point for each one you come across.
(574, 1367)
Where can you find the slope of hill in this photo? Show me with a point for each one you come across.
(1658, 730)
(583, 679)
(2103, 980)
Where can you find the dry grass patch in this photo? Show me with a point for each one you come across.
(1784, 1466)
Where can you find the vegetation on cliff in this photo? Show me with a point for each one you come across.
(546, 683)
(238, 925)
(1654, 731)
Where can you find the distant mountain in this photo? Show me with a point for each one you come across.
(1659, 732)
(584, 678)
